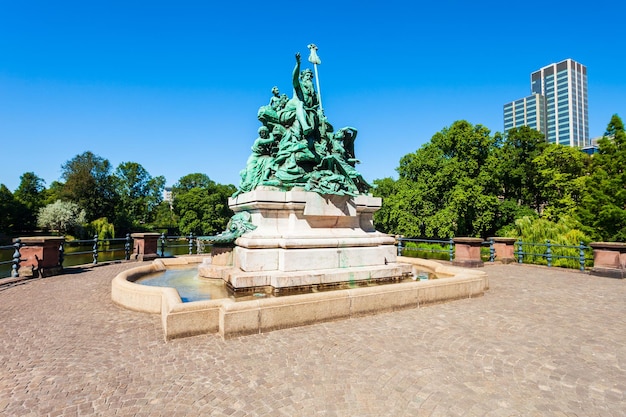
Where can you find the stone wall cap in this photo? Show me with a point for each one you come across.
(40, 239)
(608, 245)
(467, 240)
(134, 235)
(503, 239)
(271, 196)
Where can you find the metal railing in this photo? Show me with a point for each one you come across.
(71, 253)
(548, 253)
(96, 250)
(12, 264)
(410, 247)
(80, 252)
(491, 248)
(189, 240)
(108, 247)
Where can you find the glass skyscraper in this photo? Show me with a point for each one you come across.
(560, 104)
(528, 111)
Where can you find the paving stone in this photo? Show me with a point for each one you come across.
(540, 342)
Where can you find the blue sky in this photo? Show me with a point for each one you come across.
(176, 86)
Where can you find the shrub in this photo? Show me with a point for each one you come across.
(535, 233)
(62, 217)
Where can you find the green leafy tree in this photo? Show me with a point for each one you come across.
(384, 218)
(9, 208)
(62, 217)
(165, 218)
(102, 228)
(139, 193)
(443, 189)
(201, 204)
(30, 193)
(90, 184)
(560, 179)
(195, 180)
(564, 232)
(603, 206)
(53, 193)
(516, 173)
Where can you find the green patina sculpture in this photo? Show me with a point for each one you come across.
(239, 224)
(298, 147)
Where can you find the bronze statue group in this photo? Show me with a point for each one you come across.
(298, 147)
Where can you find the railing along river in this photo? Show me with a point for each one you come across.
(548, 253)
(93, 251)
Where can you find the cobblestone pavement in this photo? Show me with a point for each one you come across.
(541, 342)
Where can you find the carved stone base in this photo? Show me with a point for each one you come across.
(504, 249)
(279, 280)
(468, 263)
(467, 252)
(145, 246)
(40, 256)
(608, 272)
(609, 259)
(306, 239)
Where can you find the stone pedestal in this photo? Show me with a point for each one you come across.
(307, 239)
(222, 255)
(40, 256)
(504, 248)
(467, 252)
(145, 246)
(609, 259)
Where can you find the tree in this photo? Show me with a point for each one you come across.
(30, 193)
(164, 217)
(560, 179)
(62, 217)
(9, 208)
(201, 204)
(444, 187)
(102, 228)
(516, 173)
(564, 232)
(603, 207)
(53, 193)
(139, 193)
(190, 181)
(89, 183)
(383, 218)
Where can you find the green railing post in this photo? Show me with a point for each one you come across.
(581, 255)
(549, 253)
(95, 249)
(62, 253)
(451, 249)
(16, 259)
(127, 247)
(400, 246)
(492, 251)
(162, 245)
(190, 243)
(520, 252)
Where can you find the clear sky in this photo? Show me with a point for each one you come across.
(176, 85)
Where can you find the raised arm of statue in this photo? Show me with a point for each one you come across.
(297, 89)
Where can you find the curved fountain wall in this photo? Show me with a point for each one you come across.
(231, 319)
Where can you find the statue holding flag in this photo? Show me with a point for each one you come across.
(306, 152)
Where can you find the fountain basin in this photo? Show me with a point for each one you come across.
(231, 319)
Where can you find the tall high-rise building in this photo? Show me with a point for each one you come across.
(559, 102)
(528, 111)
